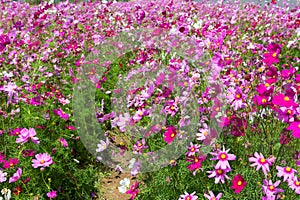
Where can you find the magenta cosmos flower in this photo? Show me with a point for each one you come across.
(187, 196)
(52, 194)
(223, 157)
(211, 196)
(295, 128)
(170, 134)
(59, 112)
(284, 101)
(272, 56)
(42, 160)
(287, 173)
(261, 162)
(12, 162)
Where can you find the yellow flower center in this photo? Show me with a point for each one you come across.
(299, 126)
(172, 161)
(220, 171)
(11, 164)
(264, 100)
(297, 183)
(196, 160)
(214, 198)
(271, 187)
(274, 55)
(262, 160)
(188, 198)
(206, 132)
(223, 156)
(288, 169)
(286, 98)
(172, 135)
(239, 183)
(139, 144)
(172, 108)
(267, 84)
(192, 149)
(289, 112)
(42, 161)
(238, 96)
(217, 108)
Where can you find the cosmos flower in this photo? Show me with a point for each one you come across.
(238, 183)
(261, 162)
(223, 157)
(187, 196)
(42, 160)
(219, 175)
(295, 128)
(211, 196)
(170, 134)
(16, 176)
(286, 172)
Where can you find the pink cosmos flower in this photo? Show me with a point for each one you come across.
(16, 176)
(295, 128)
(211, 196)
(59, 112)
(3, 176)
(170, 134)
(287, 173)
(52, 194)
(63, 142)
(26, 134)
(223, 157)
(140, 146)
(42, 160)
(261, 162)
(261, 100)
(12, 162)
(192, 149)
(187, 196)
(294, 184)
(271, 189)
(219, 174)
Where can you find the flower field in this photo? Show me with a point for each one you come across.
(168, 99)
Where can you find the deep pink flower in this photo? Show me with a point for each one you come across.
(42, 160)
(284, 101)
(272, 56)
(170, 134)
(16, 176)
(52, 194)
(61, 114)
(238, 183)
(295, 128)
(11, 163)
(196, 162)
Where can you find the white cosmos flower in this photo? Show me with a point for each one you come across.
(125, 183)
